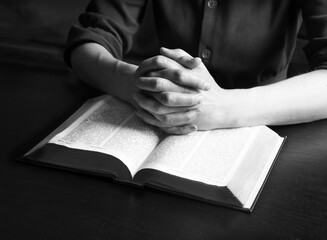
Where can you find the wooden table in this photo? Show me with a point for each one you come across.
(42, 203)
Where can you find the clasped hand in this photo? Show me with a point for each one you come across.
(178, 94)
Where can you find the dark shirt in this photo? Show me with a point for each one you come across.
(242, 42)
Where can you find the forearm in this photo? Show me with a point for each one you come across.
(97, 67)
(296, 100)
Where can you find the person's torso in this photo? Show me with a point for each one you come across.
(242, 42)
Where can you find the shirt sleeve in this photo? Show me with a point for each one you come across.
(110, 23)
(314, 13)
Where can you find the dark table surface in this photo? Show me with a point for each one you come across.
(43, 203)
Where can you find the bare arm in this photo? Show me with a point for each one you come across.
(296, 100)
(97, 67)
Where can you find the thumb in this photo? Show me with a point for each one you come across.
(182, 57)
(189, 62)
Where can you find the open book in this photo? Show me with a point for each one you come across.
(105, 137)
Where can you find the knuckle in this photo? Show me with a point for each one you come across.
(156, 84)
(153, 83)
(160, 110)
(163, 98)
(178, 75)
(160, 85)
(166, 119)
(189, 117)
(158, 60)
(149, 106)
(194, 100)
(166, 99)
(169, 121)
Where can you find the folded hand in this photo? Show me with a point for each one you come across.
(178, 94)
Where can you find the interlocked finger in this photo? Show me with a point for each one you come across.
(181, 57)
(172, 99)
(159, 84)
(157, 63)
(181, 77)
(181, 130)
(169, 120)
(153, 106)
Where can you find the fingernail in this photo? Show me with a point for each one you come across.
(190, 60)
(207, 86)
(193, 128)
(198, 59)
(194, 61)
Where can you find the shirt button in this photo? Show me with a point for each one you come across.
(206, 54)
(212, 3)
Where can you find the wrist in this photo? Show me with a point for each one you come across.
(124, 77)
(237, 108)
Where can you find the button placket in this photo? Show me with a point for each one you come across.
(208, 23)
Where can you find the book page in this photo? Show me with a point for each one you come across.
(255, 167)
(210, 157)
(111, 127)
